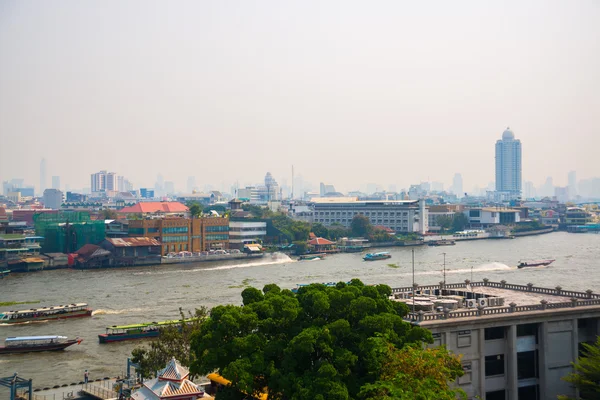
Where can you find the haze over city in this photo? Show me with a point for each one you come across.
(393, 93)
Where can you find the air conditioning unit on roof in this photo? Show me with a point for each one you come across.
(483, 302)
(471, 303)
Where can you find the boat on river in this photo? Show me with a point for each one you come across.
(310, 257)
(4, 273)
(442, 242)
(75, 310)
(538, 263)
(382, 255)
(137, 331)
(251, 251)
(27, 344)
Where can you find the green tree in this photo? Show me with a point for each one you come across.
(360, 226)
(319, 230)
(107, 213)
(300, 247)
(337, 231)
(459, 222)
(174, 341)
(321, 343)
(195, 209)
(586, 377)
(444, 222)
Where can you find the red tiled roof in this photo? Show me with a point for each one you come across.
(155, 206)
(320, 242)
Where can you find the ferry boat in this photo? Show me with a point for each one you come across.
(4, 273)
(310, 257)
(137, 331)
(26, 344)
(46, 313)
(254, 251)
(442, 242)
(383, 255)
(538, 263)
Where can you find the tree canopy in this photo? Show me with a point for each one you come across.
(586, 376)
(324, 342)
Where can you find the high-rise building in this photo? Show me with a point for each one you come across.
(123, 184)
(42, 176)
(53, 198)
(508, 164)
(457, 185)
(104, 181)
(572, 184)
(530, 191)
(56, 182)
(191, 184)
(272, 188)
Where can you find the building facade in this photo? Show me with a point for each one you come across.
(488, 216)
(400, 216)
(508, 164)
(246, 231)
(184, 234)
(516, 341)
(53, 198)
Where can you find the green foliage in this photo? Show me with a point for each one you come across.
(174, 341)
(529, 226)
(360, 226)
(300, 247)
(257, 211)
(107, 213)
(445, 222)
(459, 222)
(321, 343)
(195, 209)
(292, 230)
(586, 376)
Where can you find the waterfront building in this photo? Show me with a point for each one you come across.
(53, 198)
(508, 164)
(246, 231)
(133, 250)
(488, 216)
(516, 341)
(67, 231)
(399, 215)
(577, 216)
(184, 234)
(442, 210)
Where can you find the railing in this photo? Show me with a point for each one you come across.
(98, 391)
(70, 395)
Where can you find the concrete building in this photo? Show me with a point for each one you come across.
(508, 164)
(446, 210)
(246, 231)
(104, 182)
(516, 341)
(53, 199)
(400, 215)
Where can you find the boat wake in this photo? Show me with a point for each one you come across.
(26, 323)
(495, 266)
(102, 311)
(274, 259)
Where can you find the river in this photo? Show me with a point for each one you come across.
(144, 294)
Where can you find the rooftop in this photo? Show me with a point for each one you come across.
(133, 242)
(155, 207)
(449, 302)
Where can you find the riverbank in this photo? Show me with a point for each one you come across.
(532, 233)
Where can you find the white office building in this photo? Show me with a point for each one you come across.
(403, 216)
(246, 232)
(508, 164)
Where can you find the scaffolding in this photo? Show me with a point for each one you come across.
(68, 231)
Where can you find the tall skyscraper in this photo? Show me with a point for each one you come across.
(42, 176)
(457, 185)
(104, 181)
(572, 184)
(56, 182)
(508, 164)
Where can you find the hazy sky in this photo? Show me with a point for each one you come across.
(390, 92)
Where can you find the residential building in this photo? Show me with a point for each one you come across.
(243, 231)
(123, 184)
(53, 199)
(515, 341)
(133, 250)
(399, 215)
(104, 182)
(487, 216)
(15, 197)
(116, 228)
(184, 234)
(508, 164)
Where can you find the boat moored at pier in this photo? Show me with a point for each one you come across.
(442, 242)
(27, 344)
(382, 255)
(75, 310)
(137, 331)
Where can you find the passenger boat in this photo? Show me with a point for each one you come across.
(251, 251)
(442, 242)
(4, 273)
(137, 331)
(309, 257)
(26, 344)
(383, 255)
(46, 313)
(538, 263)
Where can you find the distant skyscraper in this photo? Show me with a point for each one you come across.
(457, 185)
(56, 182)
(42, 176)
(572, 184)
(191, 183)
(529, 190)
(272, 188)
(508, 164)
(104, 181)
(169, 187)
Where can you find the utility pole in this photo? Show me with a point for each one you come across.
(413, 279)
(444, 268)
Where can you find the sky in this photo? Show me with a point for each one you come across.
(349, 92)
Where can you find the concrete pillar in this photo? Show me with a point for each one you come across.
(575, 348)
(481, 368)
(511, 363)
(542, 360)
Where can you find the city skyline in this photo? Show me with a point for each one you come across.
(394, 101)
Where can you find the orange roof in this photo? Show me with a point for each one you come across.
(154, 207)
(320, 242)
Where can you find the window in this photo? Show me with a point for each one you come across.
(136, 231)
(474, 213)
(217, 237)
(217, 228)
(494, 365)
(527, 330)
(527, 365)
(175, 229)
(494, 333)
(495, 395)
(152, 230)
(171, 239)
(529, 392)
